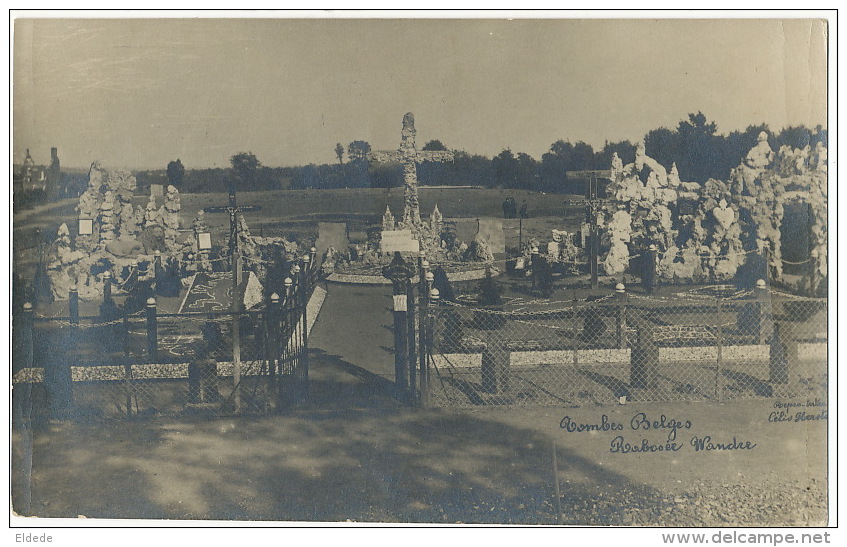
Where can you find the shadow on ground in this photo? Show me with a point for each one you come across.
(336, 384)
(386, 465)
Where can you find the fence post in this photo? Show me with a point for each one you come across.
(813, 271)
(289, 287)
(23, 326)
(127, 367)
(763, 324)
(272, 332)
(152, 342)
(778, 363)
(411, 333)
(73, 305)
(305, 291)
(236, 329)
(623, 298)
(295, 276)
(157, 270)
(644, 359)
(575, 335)
(272, 342)
(401, 328)
(58, 379)
(533, 258)
(650, 274)
(26, 333)
(288, 345)
(107, 287)
(424, 331)
(143, 280)
(719, 341)
(432, 304)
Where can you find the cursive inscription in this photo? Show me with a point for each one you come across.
(647, 424)
(620, 446)
(787, 414)
(605, 424)
(640, 421)
(706, 444)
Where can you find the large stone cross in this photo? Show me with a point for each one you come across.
(410, 157)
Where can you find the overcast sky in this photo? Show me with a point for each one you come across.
(138, 93)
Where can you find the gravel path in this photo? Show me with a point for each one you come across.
(774, 502)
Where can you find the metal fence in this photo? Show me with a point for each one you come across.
(148, 363)
(714, 343)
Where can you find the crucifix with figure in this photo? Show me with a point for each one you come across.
(593, 205)
(233, 209)
(410, 157)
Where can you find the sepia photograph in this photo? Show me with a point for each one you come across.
(543, 269)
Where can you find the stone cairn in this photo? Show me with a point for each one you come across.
(117, 241)
(718, 224)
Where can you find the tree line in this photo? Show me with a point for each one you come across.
(699, 151)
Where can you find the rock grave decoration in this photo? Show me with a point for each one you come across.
(795, 175)
(260, 254)
(704, 233)
(120, 235)
(169, 215)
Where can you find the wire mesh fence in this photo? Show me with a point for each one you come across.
(150, 364)
(710, 343)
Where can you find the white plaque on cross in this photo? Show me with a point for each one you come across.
(399, 241)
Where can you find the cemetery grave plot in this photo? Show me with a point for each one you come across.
(108, 367)
(104, 365)
(540, 351)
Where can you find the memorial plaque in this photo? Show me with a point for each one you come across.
(86, 226)
(204, 241)
(399, 241)
(491, 230)
(400, 302)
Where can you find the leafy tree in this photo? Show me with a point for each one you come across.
(624, 149)
(505, 169)
(700, 148)
(527, 172)
(339, 151)
(176, 173)
(245, 165)
(434, 145)
(563, 157)
(358, 151)
(472, 169)
(795, 137)
(662, 145)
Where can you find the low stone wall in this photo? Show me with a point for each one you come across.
(158, 371)
(809, 351)
(355, 279)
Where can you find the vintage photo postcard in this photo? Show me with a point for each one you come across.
(423, 269)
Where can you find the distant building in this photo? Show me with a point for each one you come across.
(32, 177)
